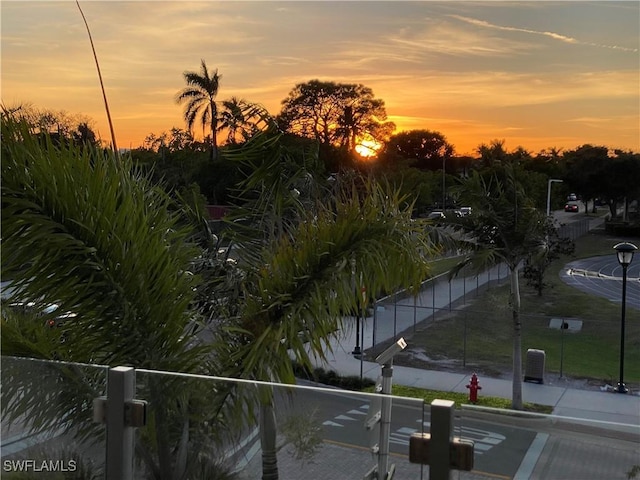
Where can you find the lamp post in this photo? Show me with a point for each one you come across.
(625, 253)
(551, 180)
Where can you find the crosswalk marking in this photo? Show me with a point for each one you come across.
(356, 412)
(483, 440)
(344, 417)
(329, 423)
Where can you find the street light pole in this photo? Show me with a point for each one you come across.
(551, 180)
(625, 253)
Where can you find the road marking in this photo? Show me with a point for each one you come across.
(483, 440)
(356, 412)
(407, 430)
(329, 423)
(531, 458)
(344, 417)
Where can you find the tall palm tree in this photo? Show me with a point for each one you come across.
(298, 277)
(200, 98)
(505, 227)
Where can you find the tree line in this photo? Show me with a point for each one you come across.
(339, 118)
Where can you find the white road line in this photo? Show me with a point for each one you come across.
(344, 417)
(329, 423)
(356, 412)
(531, 458)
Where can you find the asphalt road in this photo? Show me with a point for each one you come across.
(498, 448)
(602, 276)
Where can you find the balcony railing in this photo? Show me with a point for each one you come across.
(87, 421)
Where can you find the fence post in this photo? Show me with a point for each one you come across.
(375, 323)
(464, 340)
(433, 298)
(121, 385)
(464, 290)
(395, 313)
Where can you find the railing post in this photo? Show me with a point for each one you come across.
(385, 421)
(121, 385)
(441, 438)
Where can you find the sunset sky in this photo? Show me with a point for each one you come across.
(535, 74)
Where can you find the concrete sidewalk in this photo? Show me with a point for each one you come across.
(591, 404)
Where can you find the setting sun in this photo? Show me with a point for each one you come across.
(368, 148)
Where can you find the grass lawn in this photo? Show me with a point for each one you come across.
(485, 321)
(461, 398)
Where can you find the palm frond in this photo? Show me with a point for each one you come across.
(309, 279)
(89, 233)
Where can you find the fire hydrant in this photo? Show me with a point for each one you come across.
(473, 387)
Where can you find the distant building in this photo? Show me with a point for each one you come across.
(216, 212)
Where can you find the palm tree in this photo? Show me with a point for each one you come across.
(85, 231)
(232, 119)
(505, 227)
(298, 277)
(492, 154)
(200, 98)
(242, 119)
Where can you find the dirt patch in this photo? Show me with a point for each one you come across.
(417, 358)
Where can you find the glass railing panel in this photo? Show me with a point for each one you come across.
(47, 419)
(202, 426)
(511, 444)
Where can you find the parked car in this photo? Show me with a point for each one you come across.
(436, 215)
(571, 207)
(572, 197)
(465, 211)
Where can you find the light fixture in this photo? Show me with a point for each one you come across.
(625, 253)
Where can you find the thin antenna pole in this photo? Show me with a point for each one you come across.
(104, 94)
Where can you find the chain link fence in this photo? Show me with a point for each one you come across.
(402, 312)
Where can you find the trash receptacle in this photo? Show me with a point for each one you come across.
(534, 370)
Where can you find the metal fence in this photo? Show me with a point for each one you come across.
(575, 230)
(402, 312)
